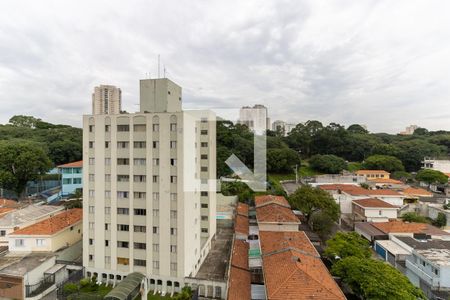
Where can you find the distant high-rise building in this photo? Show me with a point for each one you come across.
(255, 117)
(409, 130)
(282, 127)
(149, 190)
(106, 100)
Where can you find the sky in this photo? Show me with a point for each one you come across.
(384, 64)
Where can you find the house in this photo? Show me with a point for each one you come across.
(49, 235)
(71, 177)
(239, 281)
(32, 276)
(293, 268)
(373, 174)
(433, 211)
(24, 217)
(442, 165)
(373, 210)
(386, 183)
(273, 213)
(416, 193)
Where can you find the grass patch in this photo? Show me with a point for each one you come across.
(307, 171)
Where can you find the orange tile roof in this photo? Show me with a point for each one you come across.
(241, 225)
(373, 203)
(293, 268)
(53, 224)
(239, 283)
(266, 199)
(363, 172)
(275, 213)
(379, 192)
(417, 192)
(75, 164)
(397, 226)
(4, 210)
(357, 190)
(8, 203)
(242, 209)
(385, 180)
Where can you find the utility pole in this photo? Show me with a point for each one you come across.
(296, 173)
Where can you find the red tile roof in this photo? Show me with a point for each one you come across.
(241, 225)
(53, 224)
(385, 180)
(239, 283)
(373, 203)
(357, 190)
(416, 192)
(75, 164)
(379, 192)
(293, 268)
(4, 210)
(408, 227)
(275, 213)
(8, 203)
(266, 199)
(242, 209)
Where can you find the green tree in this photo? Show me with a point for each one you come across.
(331, 164)
(343, 245)
(64, 151)
(21, 162)
(310, 200)
(185, 294)
(282, 160)
(413, 217)
(24, 121)
(322, 224)
(356, 128)
(441, 220)
(373, 279)
(383, 162)
(431, 176)
(401, 175)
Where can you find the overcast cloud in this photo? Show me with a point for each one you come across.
(385, 64)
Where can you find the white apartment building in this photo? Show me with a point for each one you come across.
(254, 117)
(442, 165)
(106, 99)
(149, 189)
(283, 127)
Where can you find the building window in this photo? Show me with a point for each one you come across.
(91, 209)
(155, 144)
(91, 128)
(139, 178)
(139, 195)
(107, 144)
(173, 214)
(123, 128)
(156, 161)
(173, 266)
(139, 145)
(108, 194)
(173, 231)
(123, 161)
(173, 144)
(142, 246)
(140, 228)
(204, 169)
(139, 128)
(122, 145)
(91, 225)
(173, 249)
(91, 177)
(204, 156)
(123, 227)
(91, 145)
(155, 247)
(155, 178)
(107, 128)
(91, 161)
(173, 161)
(204, 193)
(155, 127)
(67, 181)
(107, 259)
(155, 230)
(204, 132)
(107, 226)
(19, 243)
(123, 178)
(40, 242)
(77, 181)
(91, 257)
(204, 144)
(155, 264)
(106, 243)
(173, 196)
(155, 212)
(379, 212)
(122, 194)
(173, 126)
(91, 193)
(140, 212)
(173, 179)
(140, 262)
(2, 232)
(205, 230)
(139, 162)
(204, 205)
(107, 210)
(156, 196)
(123, 261)
(108, 177)
(204, 218)
(122, 244)
(123, 211)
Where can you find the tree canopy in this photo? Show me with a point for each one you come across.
(383, 162)
(343, 245)
(310, 200)
(431, 176)
(331, 164)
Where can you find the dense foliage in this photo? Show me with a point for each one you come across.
(383, 162)
(413, 217)
(328, 163)
(431, 176)
(343, 245)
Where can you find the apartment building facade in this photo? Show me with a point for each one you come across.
(149, 189)
(106, 99)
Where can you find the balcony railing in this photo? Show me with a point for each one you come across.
(35, 289)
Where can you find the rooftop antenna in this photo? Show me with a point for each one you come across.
(164, 71)
(159, 74)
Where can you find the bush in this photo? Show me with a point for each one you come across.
(70, 288)
(85, 282)
(413, 217)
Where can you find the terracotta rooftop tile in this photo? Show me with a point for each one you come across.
(4, 210)
(408, 227)
(363, 172)
(242, 209)
(8, 203)
(416, 192)
(385, 180)
(275, 213)
(53, 224)
(239, 283)
(357, 190)
(75, 164)
(379, 192)
(373, 203)
(241, 225)
(293, 269)
(266, 199)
